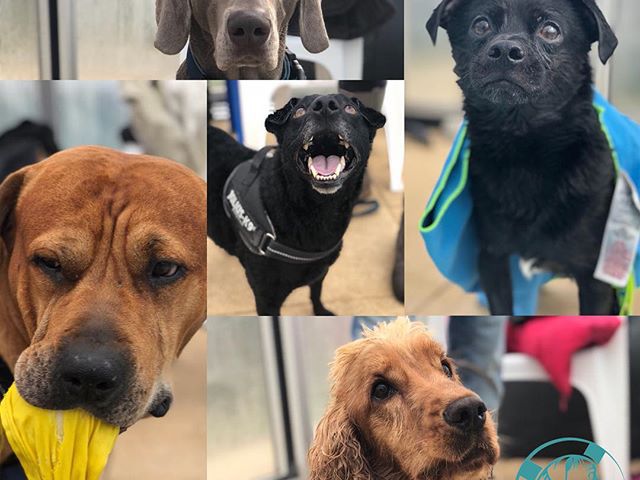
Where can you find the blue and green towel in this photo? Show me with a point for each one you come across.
(449, 234)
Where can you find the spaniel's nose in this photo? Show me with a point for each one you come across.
(467, 414)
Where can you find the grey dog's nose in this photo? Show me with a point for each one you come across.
(468, 414)
(508, 49)
(92, 374)
(248, 29)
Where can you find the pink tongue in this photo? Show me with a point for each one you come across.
(326, 165)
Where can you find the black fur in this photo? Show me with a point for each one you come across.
(541, 172)
(303, 217)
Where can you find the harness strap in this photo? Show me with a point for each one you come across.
(243, 206)
(291, 68)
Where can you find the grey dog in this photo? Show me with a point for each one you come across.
(236, 39)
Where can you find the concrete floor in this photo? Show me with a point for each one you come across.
(427, 292)
(173, 447)
(359, 283)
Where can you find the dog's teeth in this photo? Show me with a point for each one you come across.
(306, 146)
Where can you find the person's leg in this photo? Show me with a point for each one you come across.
(477, 345)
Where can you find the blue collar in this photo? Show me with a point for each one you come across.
(194, 70)
(291, 68)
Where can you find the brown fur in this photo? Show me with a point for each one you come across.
(404, 437)
(105, 214)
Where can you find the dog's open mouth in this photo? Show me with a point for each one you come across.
(327, 157)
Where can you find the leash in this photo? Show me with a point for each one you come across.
(291, 67)
(243, 206)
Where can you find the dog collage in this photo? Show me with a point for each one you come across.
(319, 240)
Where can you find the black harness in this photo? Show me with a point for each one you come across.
(291, 68)
(243, 206)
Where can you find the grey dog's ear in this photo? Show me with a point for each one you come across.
(440, 18)
(174, 22)
(312, 29)
(603, 34)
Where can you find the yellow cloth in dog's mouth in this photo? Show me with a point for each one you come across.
(55, 445)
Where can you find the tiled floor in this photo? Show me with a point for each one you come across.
(173, 447)
(427, 291)
(358, 283)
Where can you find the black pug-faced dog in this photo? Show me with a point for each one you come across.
(541, 171)
(306, 187)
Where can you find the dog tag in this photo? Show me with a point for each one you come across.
(621, 235)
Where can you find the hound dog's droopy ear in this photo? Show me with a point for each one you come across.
(440, 18)
(336, 453)
(9, 192)
(312, 29)
(278, 119)
(601, 31)
(174, 23)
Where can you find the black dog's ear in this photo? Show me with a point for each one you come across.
(440, 17)
(607, 40)
(373, 117)
(277, 119)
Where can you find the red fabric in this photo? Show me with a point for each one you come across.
(554, 340)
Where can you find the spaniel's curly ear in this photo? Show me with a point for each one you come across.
(336, 453)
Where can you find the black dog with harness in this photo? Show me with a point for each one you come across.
(243, 206)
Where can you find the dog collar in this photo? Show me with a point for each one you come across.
(243, 206)
(194, 70)
(291, 68)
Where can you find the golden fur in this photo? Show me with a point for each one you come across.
(405, 436)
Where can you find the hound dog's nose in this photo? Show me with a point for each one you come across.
(92, 374)
(467, 414)
(248, 29)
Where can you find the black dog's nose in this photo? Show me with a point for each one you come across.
(467, 414)
(325, 105)
(507, 48)
(248, 29)
(92, 374)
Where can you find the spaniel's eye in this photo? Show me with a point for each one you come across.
(350, 109)
(481, 26)
(550, 32)
(299, 112)
(446, 368)
(382, 390)
(48, 263)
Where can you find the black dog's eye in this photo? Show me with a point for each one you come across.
(446, 368)
(47, 265)
(481, 26)
(382, 390)
(166, 272)
(550, 32)
(350, 109)
(299, 112)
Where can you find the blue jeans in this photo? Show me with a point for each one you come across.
(476, 344)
